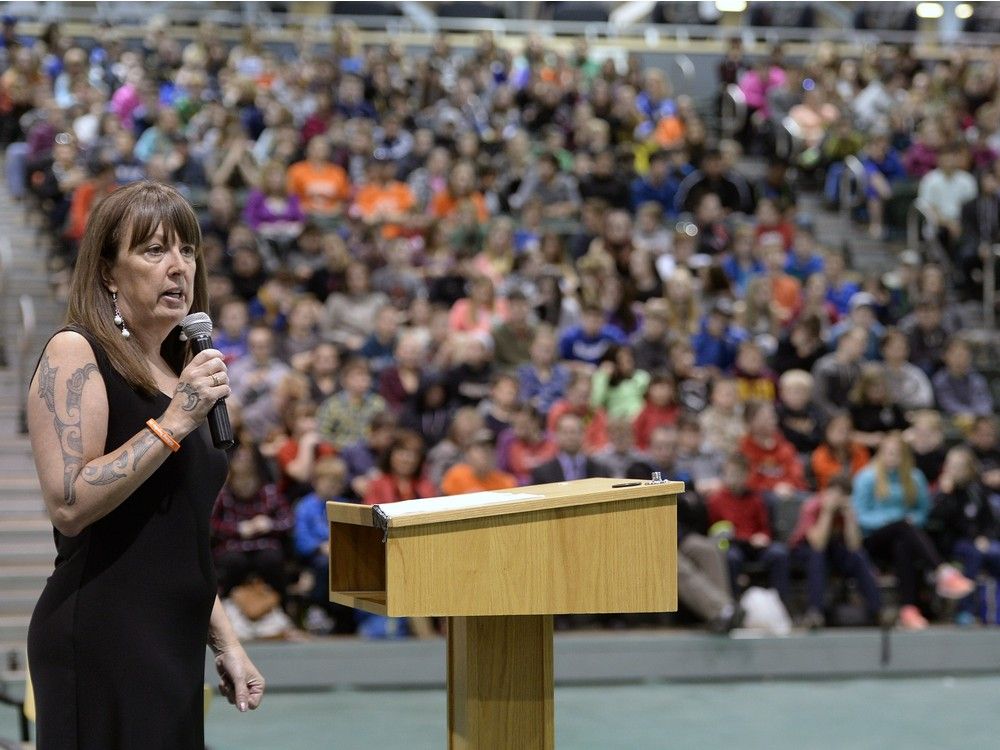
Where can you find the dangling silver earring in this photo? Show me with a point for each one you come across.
(119, 320)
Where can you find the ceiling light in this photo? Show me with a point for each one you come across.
(930, 10)
(730, 6)
(963, 10)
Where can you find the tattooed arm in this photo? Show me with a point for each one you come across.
(68, 419)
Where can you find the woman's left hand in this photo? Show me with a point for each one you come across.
(240, 681)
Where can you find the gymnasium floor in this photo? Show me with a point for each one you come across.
(835, 715)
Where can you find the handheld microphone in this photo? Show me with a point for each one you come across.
(197, 328)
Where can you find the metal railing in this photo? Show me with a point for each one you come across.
(852, 188)
(418, 18)
(734, 111)
(26, 338)
(990, 288)
(915, 219)
(788, 141)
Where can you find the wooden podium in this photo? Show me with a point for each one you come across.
(498, 565)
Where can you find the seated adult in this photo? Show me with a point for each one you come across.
(570, 463)
(345, 417)
(383, 201)
(478, 471)
(250, 523)
(703, 583)
(525, 445)
(255, 375)
(402, 474)
(350, 315)
(321, 187)
(962, 393)
(577, 401)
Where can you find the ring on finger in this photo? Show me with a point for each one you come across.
(215, 379)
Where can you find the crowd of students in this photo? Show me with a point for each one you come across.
(450, 271)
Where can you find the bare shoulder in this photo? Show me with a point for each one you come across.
(68, 356)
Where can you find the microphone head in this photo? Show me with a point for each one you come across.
(196, 324)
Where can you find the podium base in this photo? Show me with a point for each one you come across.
(500, 683)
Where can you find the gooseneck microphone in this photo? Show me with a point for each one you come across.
(197, 328)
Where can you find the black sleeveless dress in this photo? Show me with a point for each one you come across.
(116, 645)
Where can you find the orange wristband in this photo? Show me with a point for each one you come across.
(163, 435)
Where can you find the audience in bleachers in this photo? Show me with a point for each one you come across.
(462, 270)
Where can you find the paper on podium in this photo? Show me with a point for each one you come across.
(384, 513)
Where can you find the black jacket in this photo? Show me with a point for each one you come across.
(964, 513)
(552, 471)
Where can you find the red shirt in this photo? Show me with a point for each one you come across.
(384, 489)
(747, 512)
(595, 421)
(808, 516)
(771, 466)
(649, 419)
(523, 458)
(287, 453)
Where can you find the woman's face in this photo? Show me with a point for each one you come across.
(838, 431)
(892, 453)
(404, 461)
(154, 282)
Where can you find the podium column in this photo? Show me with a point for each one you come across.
(500, 683)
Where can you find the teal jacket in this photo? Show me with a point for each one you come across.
(873, 512)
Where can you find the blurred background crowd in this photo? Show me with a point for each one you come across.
(437, 271)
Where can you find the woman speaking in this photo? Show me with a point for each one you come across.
(117, 410)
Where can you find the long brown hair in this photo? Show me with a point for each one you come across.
(906, 467)
(132, 214)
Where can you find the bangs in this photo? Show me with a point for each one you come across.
(153, 205)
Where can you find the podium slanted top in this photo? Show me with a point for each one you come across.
(537, 497)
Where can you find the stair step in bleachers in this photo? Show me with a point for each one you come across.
(27, 553)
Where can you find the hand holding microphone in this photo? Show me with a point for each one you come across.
(205, 381)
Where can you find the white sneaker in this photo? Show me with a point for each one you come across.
(318, 622)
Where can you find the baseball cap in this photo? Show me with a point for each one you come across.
(860, 299)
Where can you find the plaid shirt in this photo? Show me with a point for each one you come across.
(229, 512)
(344, 423)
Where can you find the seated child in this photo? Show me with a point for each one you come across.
(827, 537)
(312, 544)
(745, 510)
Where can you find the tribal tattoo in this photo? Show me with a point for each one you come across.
(193, 399)
(141, 446)
(108, 473)
(68, 429)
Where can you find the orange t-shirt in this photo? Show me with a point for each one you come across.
(787, 292)
(83, 200)
(443, 205)
(395, 198)
(460, 479)
(825, 466)
(320, 190)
